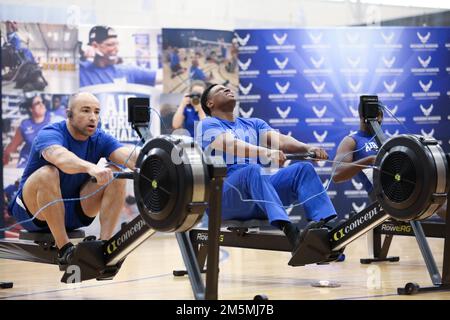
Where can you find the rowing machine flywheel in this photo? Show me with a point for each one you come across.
(171, 183)
(412, 179)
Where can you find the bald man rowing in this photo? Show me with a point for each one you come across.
(63, 157)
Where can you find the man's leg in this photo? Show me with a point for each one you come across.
(300, 182)
(109, 202)
(41, 188)
(259, 198)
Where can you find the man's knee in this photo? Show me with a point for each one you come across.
(45, 177)
(253, 170)
(304, 166)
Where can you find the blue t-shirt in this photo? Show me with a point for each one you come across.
(191, 118)
(90, 74)
(366, 147)
(14, 39)
(29, 130)
(245, 129)
(174, 60)
(99, 145)
(10, 192)
(197, 74)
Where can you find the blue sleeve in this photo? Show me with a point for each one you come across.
(207, 131)
(48, 136)
(108, 144)
(13, 38)
(141, 76)
(262, 126)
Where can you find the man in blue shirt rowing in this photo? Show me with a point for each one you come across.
(249, 193)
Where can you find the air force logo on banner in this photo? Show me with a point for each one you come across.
(388, 62)
(426, 93)
(354, 112)
(355, 87)
(321, 112)
(246, 90)
(319, 120)
(424, 42)
(396, 133)
(245, 96)
(321, 168)
(246, 114)
(284, 120)
(318, 87)
(280, 40)
(320, 137)
(352, 37)
(388, 37)
(424, 39)
(428, 135)
(317, 63)
(357, 191)
(315, 38)
(280, 44)
(244, 65)
(353, 120)
(243, 41)
(388, 41)
(283, 95)
(283, 89)
(316, 41)
(285, 113)
(355, 90)
(281, 71)
(426, 112)
(331, 193)
(281, 64)
(392, 111)
(390, 87)
(357, 185)
(424, 63)
(352, 41)
(427, 118)
(391, 94)
(355, 66)
(387, 67)
(425, 87)
(423, 69)
(354, 62)
(244, 72)
(358, 208)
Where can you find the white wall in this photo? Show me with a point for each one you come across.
(225, 14)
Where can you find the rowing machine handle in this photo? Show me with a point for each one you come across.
(301, 156)
(118, 175)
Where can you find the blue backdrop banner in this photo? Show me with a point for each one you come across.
(307, 83)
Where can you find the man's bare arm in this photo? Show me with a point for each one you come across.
(69, 163)
(66, 160)
(125, 156)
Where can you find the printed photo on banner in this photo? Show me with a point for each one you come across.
(39, 72)
(194, 54)
(38, 57)
(117, 63)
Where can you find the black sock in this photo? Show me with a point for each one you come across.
(290, 230)
(64, 248)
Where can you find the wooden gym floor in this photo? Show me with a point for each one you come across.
(147, 274)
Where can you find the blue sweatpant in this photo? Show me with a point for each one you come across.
(295, 183)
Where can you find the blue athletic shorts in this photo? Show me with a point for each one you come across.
(74, 216)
